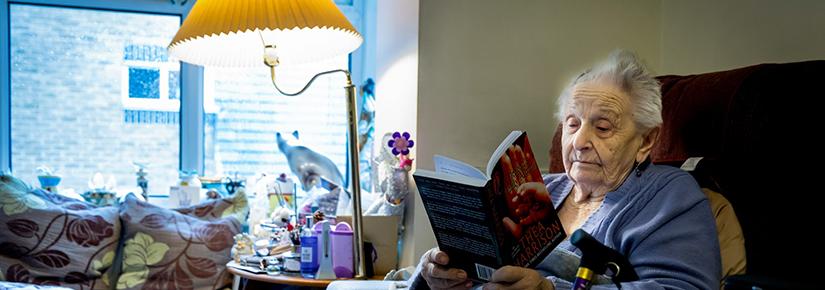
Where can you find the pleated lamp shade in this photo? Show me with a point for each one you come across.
(231, 33)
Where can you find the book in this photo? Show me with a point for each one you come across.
(486, 220)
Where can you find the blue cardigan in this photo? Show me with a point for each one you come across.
(661, 221)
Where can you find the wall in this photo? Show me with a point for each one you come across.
(489, 67)
(492, 67)
(396, 74)
(706, 35)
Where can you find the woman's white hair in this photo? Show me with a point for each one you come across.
(625, 71)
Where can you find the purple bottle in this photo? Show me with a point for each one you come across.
(341, 238)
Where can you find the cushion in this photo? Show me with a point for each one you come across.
(731, 240)
(52, 240)
(168, 249)
(213, 209)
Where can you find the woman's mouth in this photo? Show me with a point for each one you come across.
(586, 162)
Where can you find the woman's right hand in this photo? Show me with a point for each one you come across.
(438, 276)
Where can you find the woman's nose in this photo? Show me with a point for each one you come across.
(582, 139)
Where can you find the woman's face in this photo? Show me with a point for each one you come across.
(600, 141)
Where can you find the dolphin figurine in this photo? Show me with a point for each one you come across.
(311, 167)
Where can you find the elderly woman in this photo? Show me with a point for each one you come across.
(654, 215)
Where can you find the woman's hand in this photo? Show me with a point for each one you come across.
(518, 278)
(438, 276)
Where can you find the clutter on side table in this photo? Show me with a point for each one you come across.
(324, 251)
(142, 181)
(234, 184)
(342, 250)
(281, 193)
(48, 179)
(309, 165)
(187, 191)
(243, 247)
(101, 193)
(309, 250)
(380, 232)
(394, 165)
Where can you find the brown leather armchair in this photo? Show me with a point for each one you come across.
(757, 128)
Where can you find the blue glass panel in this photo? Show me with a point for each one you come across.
(144, 83)
(174, 85)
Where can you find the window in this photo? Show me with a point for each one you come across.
(244, 113)
(93, 91)
(150, 81)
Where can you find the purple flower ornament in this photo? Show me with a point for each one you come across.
(400, 143)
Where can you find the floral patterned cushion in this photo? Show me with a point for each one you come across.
(51, 240)
(167, 249)
(218, 208)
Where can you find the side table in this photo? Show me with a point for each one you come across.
(284, 278)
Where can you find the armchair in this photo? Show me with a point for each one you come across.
(755, 127)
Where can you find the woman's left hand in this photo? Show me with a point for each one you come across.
(518, 278)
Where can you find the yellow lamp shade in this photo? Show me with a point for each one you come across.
(232, 33)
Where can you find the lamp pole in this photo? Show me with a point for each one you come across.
(360, 262)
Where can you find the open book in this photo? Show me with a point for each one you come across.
(484, 221)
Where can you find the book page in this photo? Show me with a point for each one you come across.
(444, 164)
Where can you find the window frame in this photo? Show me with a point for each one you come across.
(164, 102)
(191, 100)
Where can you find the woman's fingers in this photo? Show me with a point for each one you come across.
(438, 276)
(436, 256)
(442, 272)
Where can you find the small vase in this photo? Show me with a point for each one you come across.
(398, 186)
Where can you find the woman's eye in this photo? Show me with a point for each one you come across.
(603, 126)
(572, 123)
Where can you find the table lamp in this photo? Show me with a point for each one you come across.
(247, 33)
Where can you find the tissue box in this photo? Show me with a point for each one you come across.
(184, 195)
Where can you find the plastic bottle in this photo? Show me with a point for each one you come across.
(309, 250)
(342, 250)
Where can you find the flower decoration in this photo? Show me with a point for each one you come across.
(401, 143)
(405, 162)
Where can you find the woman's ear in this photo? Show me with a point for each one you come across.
(648, 140)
